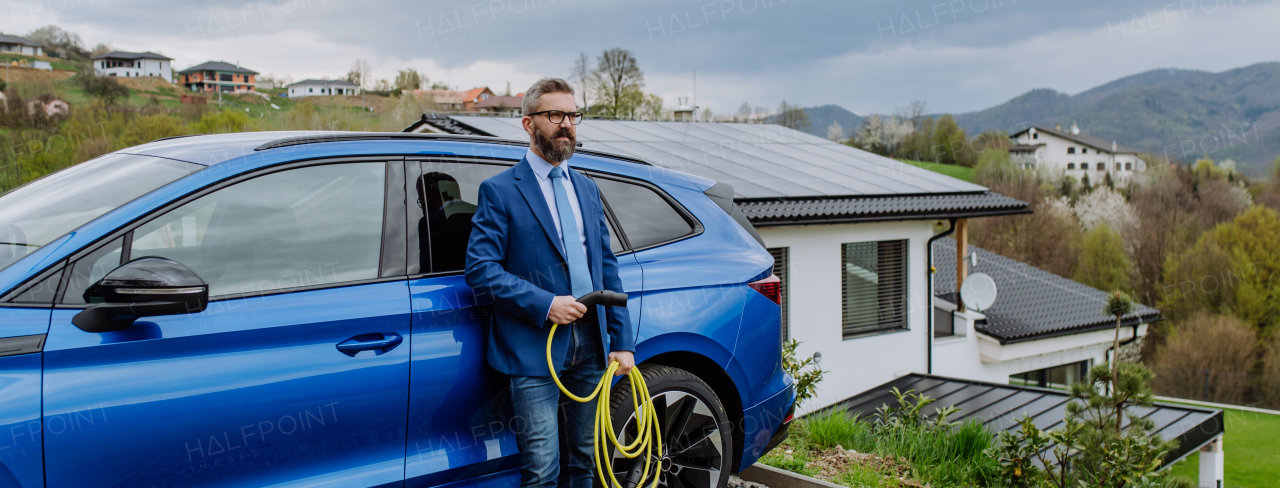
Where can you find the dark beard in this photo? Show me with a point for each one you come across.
(555, 151)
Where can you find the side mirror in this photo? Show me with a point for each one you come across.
(144, 287)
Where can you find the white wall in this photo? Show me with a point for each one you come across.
(1054, 154)
(146, 67)
(857, 364)
(297, 91)
(980, 357)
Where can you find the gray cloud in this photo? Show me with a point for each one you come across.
(867, 56)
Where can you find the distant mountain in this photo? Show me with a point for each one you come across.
(821, 117)
(1234, 114)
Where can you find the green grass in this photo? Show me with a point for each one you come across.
(1252, 447)
(946, 458)
(952, 170)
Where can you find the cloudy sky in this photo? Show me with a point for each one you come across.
(868, 56)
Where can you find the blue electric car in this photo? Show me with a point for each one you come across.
(288, 309)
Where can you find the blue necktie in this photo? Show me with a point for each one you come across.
(579, 275)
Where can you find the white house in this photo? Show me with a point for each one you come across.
(20, 45)
(126, 64)
(1078, 154)
(312, 88)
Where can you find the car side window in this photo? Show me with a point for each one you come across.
(304, 227)
(89, 269)
(447, 194)
(645, 216)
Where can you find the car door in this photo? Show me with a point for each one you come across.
(24, 321)
(460, 425)
(296, 373)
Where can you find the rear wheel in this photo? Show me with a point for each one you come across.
(696, 435)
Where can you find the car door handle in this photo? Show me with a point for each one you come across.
(380, 342)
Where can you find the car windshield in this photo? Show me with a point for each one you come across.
(39, 212)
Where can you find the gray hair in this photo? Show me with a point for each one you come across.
(543, 86)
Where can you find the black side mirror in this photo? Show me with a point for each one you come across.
(144, 287)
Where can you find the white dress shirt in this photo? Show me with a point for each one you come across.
(542, 169)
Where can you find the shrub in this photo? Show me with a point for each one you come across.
(220, 122)
(1222, 344)
(104, 88)
(147, 128)
(806, 373)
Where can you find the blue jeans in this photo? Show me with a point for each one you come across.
(538, 402)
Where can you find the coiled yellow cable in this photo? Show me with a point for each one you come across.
(650, 435)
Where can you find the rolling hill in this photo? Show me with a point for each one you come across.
(1184, 114)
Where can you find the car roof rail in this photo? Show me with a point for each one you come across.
(383, 136)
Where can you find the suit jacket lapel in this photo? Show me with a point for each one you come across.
(527, 182)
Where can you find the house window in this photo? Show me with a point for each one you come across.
(1071, 165)
(944, 323)
(781, 265)
(224, 77)
(309, 90)
(1035, 136)
(1059, 377)
(874, 287)
(1084, 150)
(1117, 166)
(1071, 150)
(1128, 166)
(1102, 167)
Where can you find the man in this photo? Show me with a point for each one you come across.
(538, 240)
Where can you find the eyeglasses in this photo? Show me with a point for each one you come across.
(556, 116)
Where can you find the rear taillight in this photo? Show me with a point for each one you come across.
(770, 287)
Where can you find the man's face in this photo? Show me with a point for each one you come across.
(556, 142)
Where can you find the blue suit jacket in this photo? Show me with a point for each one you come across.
(515, 256)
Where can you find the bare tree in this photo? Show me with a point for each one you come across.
(617, 77)
(359, 73)
(913, 112)
(744, 111)
(410, 79)
(792, 116)
(582, 74)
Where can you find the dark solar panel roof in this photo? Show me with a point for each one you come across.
(1030, 303)
(1000, 406)
(760, 161)
(874, 208)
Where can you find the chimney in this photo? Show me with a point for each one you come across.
(1074, 129)
(1057, 127)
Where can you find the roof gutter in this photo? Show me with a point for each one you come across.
(928, 260)
(891, 218)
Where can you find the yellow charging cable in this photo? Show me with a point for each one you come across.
(647, 428)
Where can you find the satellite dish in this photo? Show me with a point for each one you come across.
(978, 292)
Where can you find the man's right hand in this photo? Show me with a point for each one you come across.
(566, 310)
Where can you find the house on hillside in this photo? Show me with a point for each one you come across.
(312, 88)
(217, 76)
(1077, 154)
(508, 105)
(454, 100)
(15, 44)
(127, 64)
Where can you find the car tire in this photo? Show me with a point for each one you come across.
(697, 455)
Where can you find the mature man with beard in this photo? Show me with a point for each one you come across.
(538, 240)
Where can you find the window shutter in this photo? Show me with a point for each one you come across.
(874, 285)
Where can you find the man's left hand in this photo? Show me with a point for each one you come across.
(626, 360)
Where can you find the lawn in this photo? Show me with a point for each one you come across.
(952, 170)
(1252, 446)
